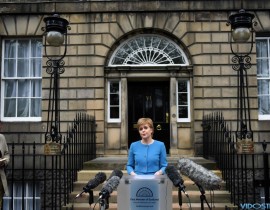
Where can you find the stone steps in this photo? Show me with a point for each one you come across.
(108, 164)
(175, 206)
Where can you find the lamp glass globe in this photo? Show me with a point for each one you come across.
(241, 34)
(55, 38)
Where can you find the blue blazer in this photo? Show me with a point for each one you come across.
(147, 159)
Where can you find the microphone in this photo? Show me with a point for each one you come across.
(198, 174)
(116, 172)
(109, 187)
(177, 181)
(99, 178)
(175, 177)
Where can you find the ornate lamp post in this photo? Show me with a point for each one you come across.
(241, 31)
(55, 32)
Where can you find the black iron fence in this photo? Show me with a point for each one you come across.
(38, 181)
(246, 175)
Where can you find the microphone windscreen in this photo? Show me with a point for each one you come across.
(109, 187)
(111, 184)
(116, 172)
(173, 175)
(99, 178)
(198, 174)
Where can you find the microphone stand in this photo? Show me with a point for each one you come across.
(181, 189)
(203, 197)
(91, 197)
(180, 197)
(104, 203)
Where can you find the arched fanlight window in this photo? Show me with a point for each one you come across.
(148, 50)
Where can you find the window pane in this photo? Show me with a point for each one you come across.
(263, 67)
(17, 203)
(35, 107)
(182, 86)
(183, 112)
(23, 49)
(264, 105)
(133, 44)
(114, 112)
(35, 67)
(10, 88)
(114, 99)
(114, 87)
(261, 48)
(36, 48)
(183, 99)
(179, 59)
(36, 88)
(263, 87)
(148, 41)
(23, 88)
(23, 107)
(10, 107)
(23, 68)
(10, 68)
(10, 48)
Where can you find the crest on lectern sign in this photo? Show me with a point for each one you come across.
(144, 195)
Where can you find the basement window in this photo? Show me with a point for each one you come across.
(24, 194)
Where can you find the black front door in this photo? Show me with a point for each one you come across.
(149, 99)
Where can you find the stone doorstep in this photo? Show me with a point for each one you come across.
(190, 186)
(86, 175)
(119, 162)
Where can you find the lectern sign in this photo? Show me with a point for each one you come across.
(144, 195)
(144, 192)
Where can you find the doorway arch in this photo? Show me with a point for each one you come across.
(142, 63)
(148, 50)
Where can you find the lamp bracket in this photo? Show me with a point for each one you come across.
(241, 61)
(55, 66)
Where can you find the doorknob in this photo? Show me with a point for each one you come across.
(159, 128)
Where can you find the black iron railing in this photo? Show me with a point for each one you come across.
(246, 175)
(38, 181)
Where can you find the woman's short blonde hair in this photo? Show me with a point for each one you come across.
(143, 121)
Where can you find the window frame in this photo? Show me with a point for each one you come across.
(27, 198)
(109, 119)
(188, 119)
(16, 78)
(267, 38)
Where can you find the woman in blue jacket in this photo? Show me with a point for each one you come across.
(146, 156)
